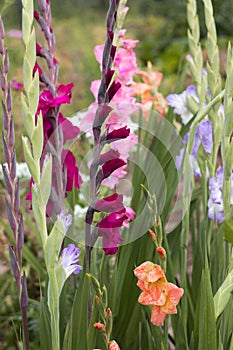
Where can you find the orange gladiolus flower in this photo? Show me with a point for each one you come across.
(157, 291)
(148, 91)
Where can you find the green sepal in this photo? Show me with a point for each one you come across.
(27, 73)
(39, 210)
(31, 47)
(38, 138)
(33, 94)
(53, 244)
(26, 24)
(28, 118)
(46, 180)
(34, 166)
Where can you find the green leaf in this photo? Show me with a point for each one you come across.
(6, 6)
(45, 329)
(207, 323)
(223, 294)
(227, 226)
(76, 330)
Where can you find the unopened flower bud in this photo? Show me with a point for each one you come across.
(152, 234)
(162, 252)
(99, 326)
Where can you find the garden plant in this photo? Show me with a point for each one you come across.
(119, 221)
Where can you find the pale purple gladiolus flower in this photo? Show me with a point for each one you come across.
(179, 101)
(215, 202)
(66, 220)
(69, 260)
(204, 136)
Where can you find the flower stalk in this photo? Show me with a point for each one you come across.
(105, 93)
(12, 200)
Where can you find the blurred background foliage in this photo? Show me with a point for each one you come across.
(79, 25)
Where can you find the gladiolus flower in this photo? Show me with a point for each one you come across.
(70, 257)
(112, 165)
(113, 345)
(110, 204)
(157, 291)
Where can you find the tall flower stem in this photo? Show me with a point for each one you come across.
(106, 90)
(55, 143)
(13, 188)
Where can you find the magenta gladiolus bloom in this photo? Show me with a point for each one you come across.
(109, 229)
(110, 204)
(73, 178)
(47, 100)
(70, 257)
(119, 133)
(110, 166)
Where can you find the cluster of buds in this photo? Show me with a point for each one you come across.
(104, 326)
(12, 200)
(157, 233)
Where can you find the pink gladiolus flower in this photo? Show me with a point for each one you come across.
(113, 345)
(110, 204)
(114, 178)
(157, 291)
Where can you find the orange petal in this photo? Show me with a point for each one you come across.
(141, 271)
(175, 293)
(157, 316)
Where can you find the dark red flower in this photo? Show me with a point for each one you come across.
(110, 166)
(117, 134)
(74, 180)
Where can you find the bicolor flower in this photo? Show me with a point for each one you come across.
(157, 291)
